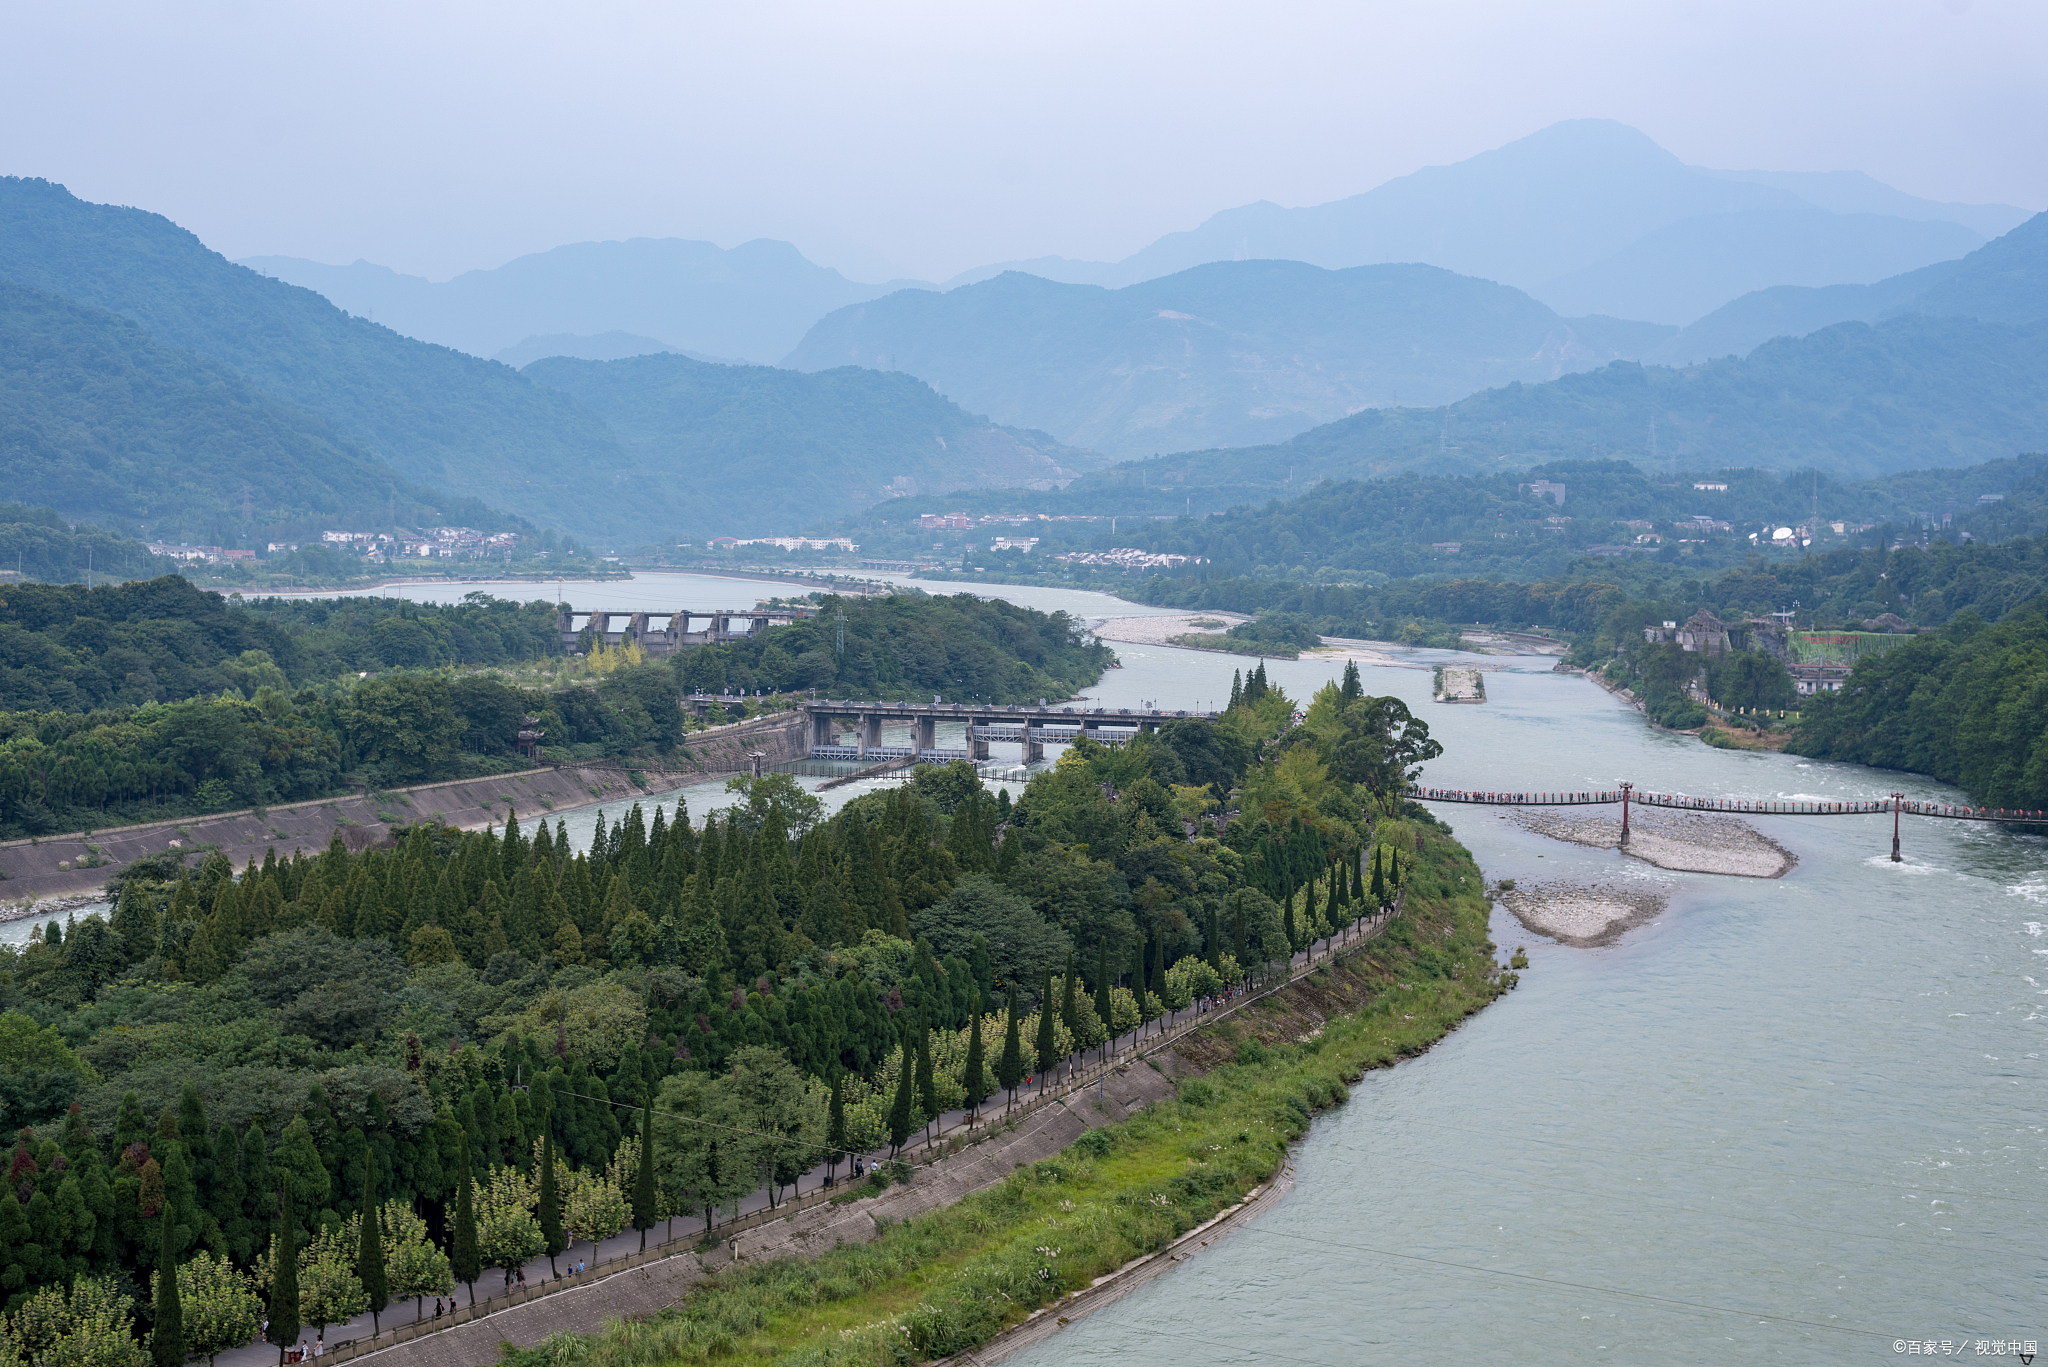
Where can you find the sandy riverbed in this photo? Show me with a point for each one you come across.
(1160, 631)
(1583, 914)
(1683, 841)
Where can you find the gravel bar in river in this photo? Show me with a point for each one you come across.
(1685, 842)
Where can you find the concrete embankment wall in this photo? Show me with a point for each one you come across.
(32, 867)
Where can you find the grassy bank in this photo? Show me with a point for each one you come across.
(955, 1278)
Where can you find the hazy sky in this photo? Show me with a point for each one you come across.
(932, 137)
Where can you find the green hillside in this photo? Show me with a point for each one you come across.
(752, 450)
(38, 545)
(1231, 353)
(2004, 281)
(1495, 525)
(461, 424)
(105, 425)
(1852, 401)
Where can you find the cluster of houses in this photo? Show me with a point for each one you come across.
(1818, 661)
(1128, 558)
(787, 543)
(436, 543)
(203, 555)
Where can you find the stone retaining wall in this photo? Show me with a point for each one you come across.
(31, 867)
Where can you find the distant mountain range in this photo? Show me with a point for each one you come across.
(1854, 399)
(236, 400)
(1581, 215)
(467, 426)
(1231, 353)
(752, 302)
(2003, 281)
(602, 346)
(1588, 216)
(104, 424)
(748, 447)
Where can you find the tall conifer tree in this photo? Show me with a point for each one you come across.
(1047, 1043)
(464, 1259)
(974, 1079)
(1102, 997)
(906, 1090)
(643, 1180)
(1067, 1016)
(167, 1339)
(284, 1279)
(370, 1250)
(927, 1085)
(1010, 1068)
(550, 1212)
(835, 1126)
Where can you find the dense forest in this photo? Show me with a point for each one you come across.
(1603, 606)
(36, 544)
(1497, 525)
(135, 701)
(964, 648)
(107, 424)
(1967, 704)
(444, 1027)
(469, 427)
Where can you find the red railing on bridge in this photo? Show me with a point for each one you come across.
(1629, 794)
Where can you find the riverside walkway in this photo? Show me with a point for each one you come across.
(586, 1301)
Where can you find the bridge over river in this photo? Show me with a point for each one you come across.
(828, 723)
(1627, 795)
(664, 633)
(1033, 728)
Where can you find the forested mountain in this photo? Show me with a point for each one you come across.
(107, 425)
(38, 545)
(467, 426)
(1232, 353)
(751, 302)
(1853, 400)
(1576, 208)
(2003, 281)
(1488, 525)
(1685, 270)
(751, 450)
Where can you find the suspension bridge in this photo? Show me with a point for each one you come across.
(1627, 795)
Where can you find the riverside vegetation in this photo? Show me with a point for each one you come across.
(952, 1279)
(434, 1032)
(136, 701)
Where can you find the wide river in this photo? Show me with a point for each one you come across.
(1796, 1120)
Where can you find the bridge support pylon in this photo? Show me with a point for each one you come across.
(1898, 801)
(1626, 789)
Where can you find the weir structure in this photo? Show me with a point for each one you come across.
(664, 633)
(1897, 805)
(982, 724)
